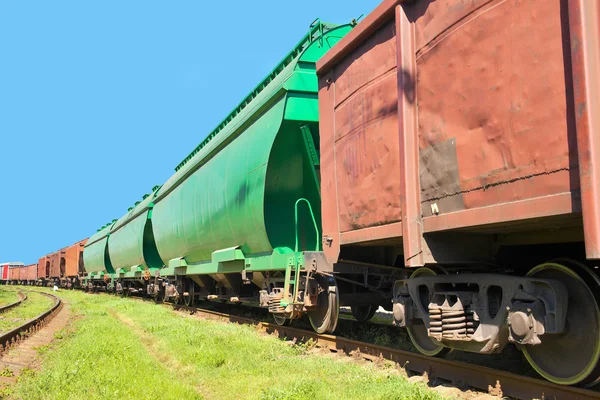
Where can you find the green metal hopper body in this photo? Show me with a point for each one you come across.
(248, 197)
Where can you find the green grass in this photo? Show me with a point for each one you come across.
(30, 308)
(120, 348)
(8, 295)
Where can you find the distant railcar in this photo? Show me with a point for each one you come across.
(70, 265)
(43, 270)
(29, 274)
(14, 272)
(63, 267)
(4, 272)
(7, 273)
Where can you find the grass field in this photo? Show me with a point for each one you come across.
(8, 295)
(30, 308)
(120, 348)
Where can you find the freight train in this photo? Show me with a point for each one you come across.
(10, 272)
(17, 273)
(440, 159)
(63, 268)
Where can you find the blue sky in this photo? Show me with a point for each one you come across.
(99, 101)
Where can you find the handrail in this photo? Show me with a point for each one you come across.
(313, 219)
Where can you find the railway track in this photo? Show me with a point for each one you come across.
(22, 297)
(14, 335)
(458, 374)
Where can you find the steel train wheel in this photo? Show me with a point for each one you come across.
(571, 357)
(281, 320)
(363, 313)
(165, 294)
(418, 333)
(324, 318)
(189, 299)
(157, 295)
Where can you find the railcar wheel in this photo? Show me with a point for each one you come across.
(418, 333)
(156, 295)
(189, 299)
(324, 318)
(281, 320)
(363, 313)
(165, 293)
(572, 357)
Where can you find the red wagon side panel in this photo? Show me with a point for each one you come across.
(441, 115)
(54, 265)
(13, 273)
(41, 267)
(584, 20)
(31, 272)
(71, 256)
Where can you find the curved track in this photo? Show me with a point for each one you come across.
(22, 298)
(15, 334)
(459, 374)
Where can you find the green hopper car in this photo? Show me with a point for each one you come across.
(239, 220)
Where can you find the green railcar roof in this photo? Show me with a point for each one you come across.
(316, 30)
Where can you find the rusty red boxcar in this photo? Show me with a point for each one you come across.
(63, 267)
(43, 267)
(14, 272)
(5, 268)
(54, 259)
(461, 137)
(29, 273)
(70, 264)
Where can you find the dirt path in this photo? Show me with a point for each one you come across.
(24, 354)
(182, 371)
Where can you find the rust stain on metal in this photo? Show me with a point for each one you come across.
(584, 22)
(410, 187)
(329, 195)
(496, 123)
(547, 206)
(441, 18)
(372, 234)
(366, 130)
(363, 31)
(501, 72)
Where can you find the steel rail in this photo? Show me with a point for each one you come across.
(459, 374)
(22, 298)
(9, 337)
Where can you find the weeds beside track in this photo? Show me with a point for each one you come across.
(459, 374)
(116, 348)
